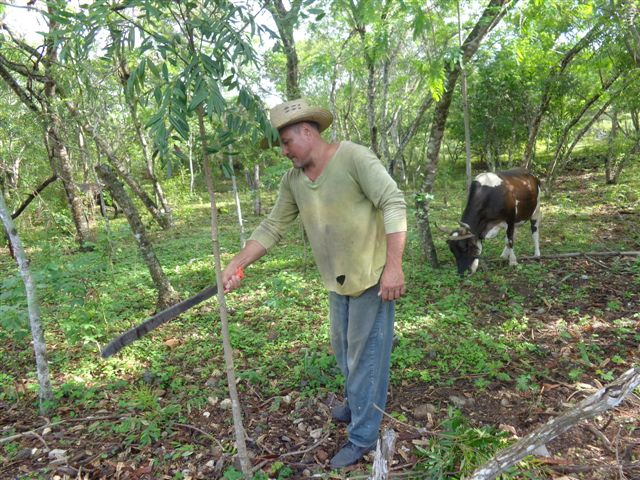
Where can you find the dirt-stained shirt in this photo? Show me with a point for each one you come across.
(346, 212)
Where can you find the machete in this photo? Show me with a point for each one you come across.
(158, 319)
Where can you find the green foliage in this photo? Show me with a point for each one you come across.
(146, 427)
(459, 448)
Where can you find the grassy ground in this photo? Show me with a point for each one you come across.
(482, 356)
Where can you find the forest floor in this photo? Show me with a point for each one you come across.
(582, 315)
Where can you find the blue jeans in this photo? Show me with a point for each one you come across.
(361, 337)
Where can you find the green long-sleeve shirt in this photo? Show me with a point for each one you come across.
(346, 212)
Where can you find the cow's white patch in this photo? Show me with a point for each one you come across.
(493, 230)
(474, 265)
(509, 254)
(489, 179)
(536, 243)
(517, 202)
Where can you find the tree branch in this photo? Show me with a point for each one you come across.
(33, 195)
(604, 399)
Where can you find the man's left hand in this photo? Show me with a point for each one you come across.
(392, 284)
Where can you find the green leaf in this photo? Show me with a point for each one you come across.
(180, 124)
(199, 96)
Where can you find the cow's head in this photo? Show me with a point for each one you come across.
(466, 247)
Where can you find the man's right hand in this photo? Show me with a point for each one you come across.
(232, 277)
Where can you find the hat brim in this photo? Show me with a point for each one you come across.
(322, 117)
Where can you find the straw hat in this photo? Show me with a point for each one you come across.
(296, 111)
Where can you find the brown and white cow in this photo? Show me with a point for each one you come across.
(496, 200)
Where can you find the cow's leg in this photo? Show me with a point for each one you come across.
(508, 248)
(535, 225)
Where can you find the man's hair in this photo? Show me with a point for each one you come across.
(296, 126)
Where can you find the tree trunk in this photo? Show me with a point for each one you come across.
(59, 159)
(490, 17)
(167, 296)
(236, 409)
(56, 149)
(285, 21)
(37, 332)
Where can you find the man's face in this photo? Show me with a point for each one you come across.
(294, 140)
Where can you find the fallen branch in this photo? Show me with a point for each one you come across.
(30, 433)
(632, 253)
(604, 399)
(307, 450)
(592, 467)
(384, 454)
(54, 424)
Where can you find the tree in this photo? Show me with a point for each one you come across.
(37, 332)
(492, 14)
(286, 21)
(40, 89)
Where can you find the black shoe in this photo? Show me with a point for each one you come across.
(348, 455)
(341, 413)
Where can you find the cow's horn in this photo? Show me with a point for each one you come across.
(448, 232)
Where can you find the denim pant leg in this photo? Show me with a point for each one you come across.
(361, 337)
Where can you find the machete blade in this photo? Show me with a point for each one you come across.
(154, 322)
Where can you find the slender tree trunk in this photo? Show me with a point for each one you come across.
(13, 172)
(236, 409)
(384, 144)
(89, 194)
(633, 152)
(192, 174)
(236, 197)
(371, 101)
(167, 296)
(560, 163)
(37, 333)
(609, 159)
(411, 131)
(561, 146)
(253, 180)
(547, 93)
(132, 103)
(59, 158)
(465, 109)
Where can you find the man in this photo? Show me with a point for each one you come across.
(355, 218)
